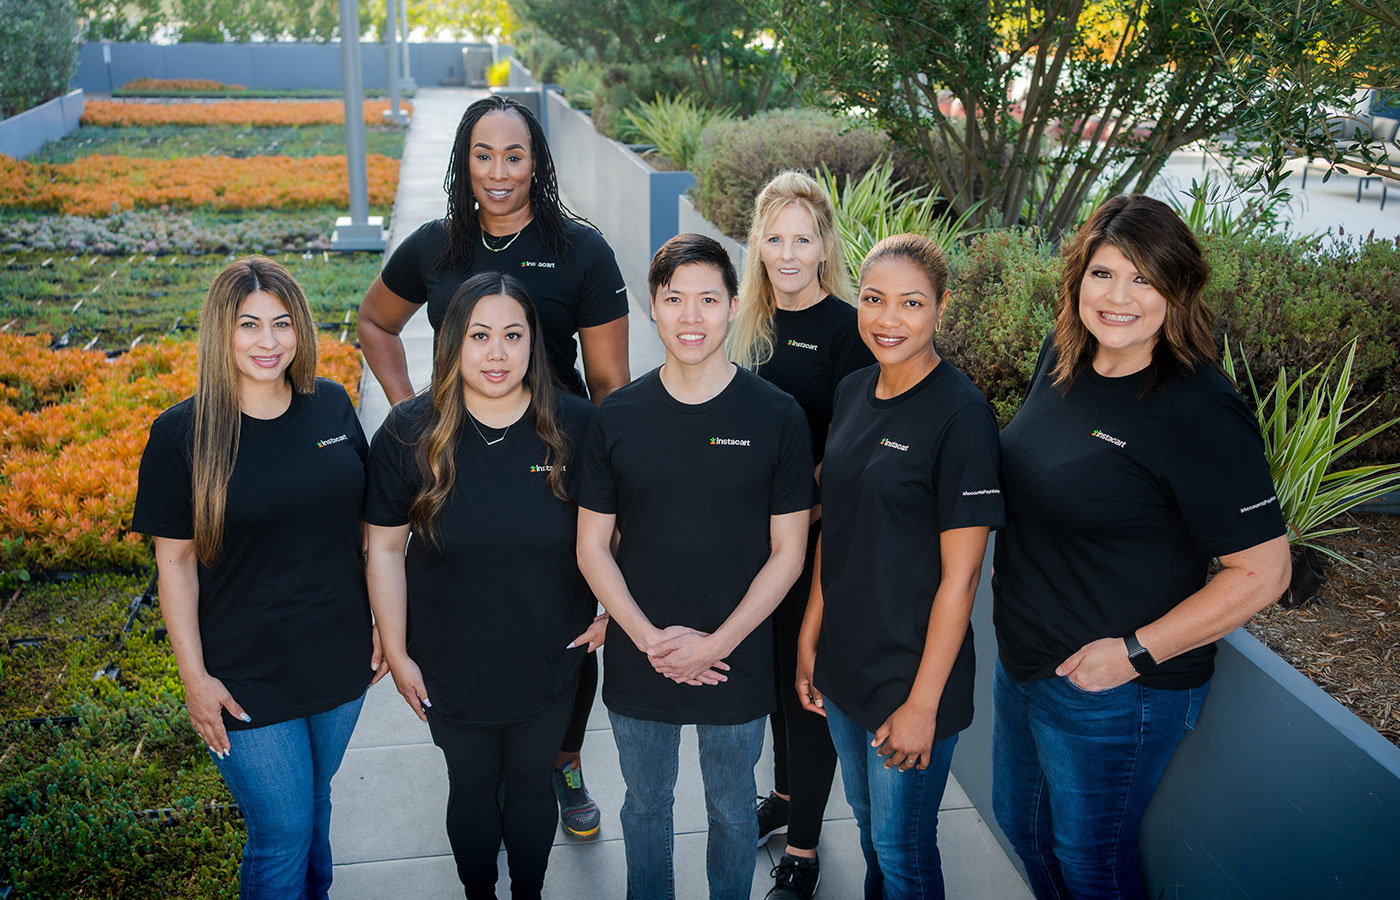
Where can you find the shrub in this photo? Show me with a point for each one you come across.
(38, 52)
(1004, 285)
(737, 158)
(625, 86)
(498, 73)
(674, 125)
(545, 57)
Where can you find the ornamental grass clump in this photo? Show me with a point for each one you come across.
(674, 126)
(1303, 420)
(878, 205)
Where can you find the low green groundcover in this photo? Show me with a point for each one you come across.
(110, 301)
(171, 141)
(92, 605)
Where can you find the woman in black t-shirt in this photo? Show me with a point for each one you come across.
(252, 490)
(1131, 464)
(486, 619)
(504, 215)
(909, 495)
(796, 329)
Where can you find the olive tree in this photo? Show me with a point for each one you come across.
(1024, 111)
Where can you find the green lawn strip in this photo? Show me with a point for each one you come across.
(108, 302)
(171, 141)
(93, 604)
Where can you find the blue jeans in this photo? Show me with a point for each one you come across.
(897, 812)
(647, 753)
(281, 777)
(1072, 773)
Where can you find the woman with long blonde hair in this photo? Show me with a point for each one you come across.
(796, 328)
(252, 491)
(485, 617)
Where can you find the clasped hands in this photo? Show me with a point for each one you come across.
(687, 656)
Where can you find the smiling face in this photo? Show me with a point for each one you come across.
(1122, 311)
(264, 340)
(496, 351)
(898, 312)
(791, 253)
(501, 165)
(692, 313)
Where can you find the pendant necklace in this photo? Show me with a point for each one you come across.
(506, 245)
(471, 418)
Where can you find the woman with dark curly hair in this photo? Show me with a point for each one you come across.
(504, 215)
(1132, 464)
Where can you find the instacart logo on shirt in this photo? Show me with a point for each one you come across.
(886, 442)
(1105, 436)
(801, 346)
(548, 468)
(533, 264)
(729, 442)
(335, 440)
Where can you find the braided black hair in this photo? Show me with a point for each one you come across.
(463, 229)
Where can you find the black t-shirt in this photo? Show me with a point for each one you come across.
(813, 349)
(579, 289)
(694, 487)
(284, 619)
(1115, 505)
(494, 602)
(898, 473)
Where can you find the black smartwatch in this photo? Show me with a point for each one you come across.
(1137, 655)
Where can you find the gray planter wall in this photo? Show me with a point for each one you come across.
(1279, 792)
(632, 204)
(279, 66)
(688, 220)
(23, 133)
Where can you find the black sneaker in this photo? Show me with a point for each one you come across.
(795, 878)
(577, 810)
(772, 817)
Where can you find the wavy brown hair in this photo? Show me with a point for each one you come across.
(751, 335)
(435, 450)
(1155, 240)
(217, 416)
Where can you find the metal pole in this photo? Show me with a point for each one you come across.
(407, 78)
(358, 231)
(391, 59)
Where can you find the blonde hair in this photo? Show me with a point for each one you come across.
(216, 410)
(751, 335)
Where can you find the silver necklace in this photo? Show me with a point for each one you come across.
(472, 419)
(506, 245)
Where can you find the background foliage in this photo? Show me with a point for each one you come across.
(38, 52)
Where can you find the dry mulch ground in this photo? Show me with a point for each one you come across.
(1347, 641)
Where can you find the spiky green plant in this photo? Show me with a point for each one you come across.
(874, 207)
(581, 82)
(1302, 427)
(674, 125)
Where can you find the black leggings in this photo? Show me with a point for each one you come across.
(804, 760)
(583, 705)
(478, 758)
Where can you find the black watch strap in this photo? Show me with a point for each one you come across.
(1137, 655)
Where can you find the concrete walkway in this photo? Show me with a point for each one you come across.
(391, 792)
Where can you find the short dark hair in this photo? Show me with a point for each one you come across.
(690, 248)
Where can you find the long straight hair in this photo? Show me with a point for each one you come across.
(751, 335)
(217, 417)
(1155, 240)
(435, 450)
(549, 212)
